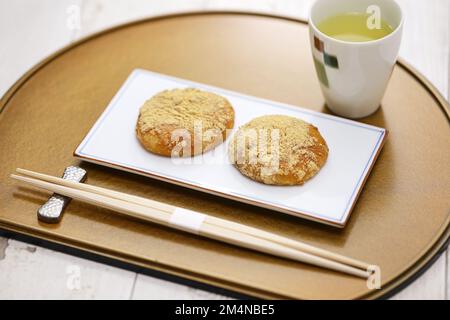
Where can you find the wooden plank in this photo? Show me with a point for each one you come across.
(425, 39)
(3, 245)
(30, 272)
(150, 288)
(447, 275)
(100, 14)
(430, 286)
(40, 28)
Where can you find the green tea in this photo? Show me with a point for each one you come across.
(354, 27)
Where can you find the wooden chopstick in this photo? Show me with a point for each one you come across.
(210, 231)
(209, 219)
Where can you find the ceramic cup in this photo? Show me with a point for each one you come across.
(354, 75)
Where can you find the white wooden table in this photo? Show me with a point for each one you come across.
(30, 30)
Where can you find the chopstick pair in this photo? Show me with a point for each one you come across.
(198, 223)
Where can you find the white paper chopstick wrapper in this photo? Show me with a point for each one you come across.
(187, 220)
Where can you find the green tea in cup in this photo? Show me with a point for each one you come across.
(353, 27)
(354, 44)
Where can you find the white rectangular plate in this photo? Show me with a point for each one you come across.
(328, 197)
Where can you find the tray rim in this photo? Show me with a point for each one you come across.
(403, 279)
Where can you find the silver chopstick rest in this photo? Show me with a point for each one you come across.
(52, 210)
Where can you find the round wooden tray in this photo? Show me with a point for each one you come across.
(400, 222)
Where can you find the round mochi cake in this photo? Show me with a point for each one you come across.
(278, 150)
(184, 122)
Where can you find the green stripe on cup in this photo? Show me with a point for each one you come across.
(330, 60)
(321, 73)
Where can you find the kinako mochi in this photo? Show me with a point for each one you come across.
(190, 116)
(298, 153)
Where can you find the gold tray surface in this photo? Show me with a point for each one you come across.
(400, 221)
